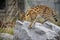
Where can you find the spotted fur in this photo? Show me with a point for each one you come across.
(43, 11)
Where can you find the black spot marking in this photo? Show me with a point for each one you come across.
(55, 19)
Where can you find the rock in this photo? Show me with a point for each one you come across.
(53, 27)
(5, 36)
(38, 32)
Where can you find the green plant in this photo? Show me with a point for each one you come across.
(7, 30)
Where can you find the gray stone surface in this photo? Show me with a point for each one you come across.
(6, 36)
(46, 31)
